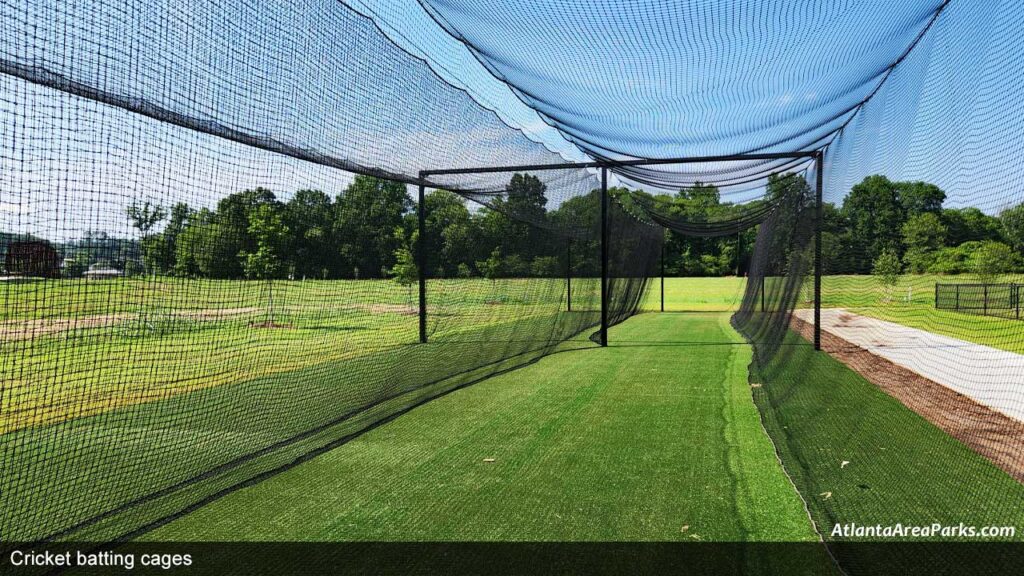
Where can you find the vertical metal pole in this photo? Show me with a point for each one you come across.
(604, 256)
(762, 293)
(739, 251)
(1016, 299)
(568, 273)
(421, 262)
(663, 273)
(936, 295)
(984, 300)
(818, 217)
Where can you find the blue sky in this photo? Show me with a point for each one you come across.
(696, 77)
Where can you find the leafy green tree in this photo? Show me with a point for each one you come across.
(969, 225)
(233, 220)
(144, 217)
(491, 267)
(207, 248)
(179, 218)
(405, 271)
(952, 259)
(582, 213)
(365, 215)
(510, 223)
(923, 234)
(875, 216)
(699, 199)
(924, 231)
(835, 241)
(267, 228)
(309, 216)
(920, 198)
(524, 197)
(545, 267)
(154, 253)
(515, 266)
(1012, 220)
(992, 259)
(886, 268)
(450, 235)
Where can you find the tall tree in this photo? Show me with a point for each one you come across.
(923, 234)
(1012, 220)
(450, 237)
(144, 217)
(366, 214)
(206, 248)
(309, 216)
(267, 228)
(969, 225)
(405, 271)
(234, 214)
(875, 217)
(920, 198)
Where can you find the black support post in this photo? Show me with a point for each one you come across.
(421, 262)
(604, 256)
(739, 251)
(819, 162)
(568, 274)
(663, 274)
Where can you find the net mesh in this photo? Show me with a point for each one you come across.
(208, 223)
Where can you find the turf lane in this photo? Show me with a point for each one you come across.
(652, 438)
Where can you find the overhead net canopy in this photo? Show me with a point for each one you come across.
(215, 195)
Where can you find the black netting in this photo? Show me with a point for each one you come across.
(212, 253)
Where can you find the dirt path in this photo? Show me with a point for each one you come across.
(12, 330)
(986, 430)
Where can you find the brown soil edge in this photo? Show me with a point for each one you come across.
(991, 434)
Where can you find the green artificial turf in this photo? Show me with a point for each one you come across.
(899, 467)
(860, 457)
(652, 438)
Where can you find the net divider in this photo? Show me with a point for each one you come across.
(604, 165)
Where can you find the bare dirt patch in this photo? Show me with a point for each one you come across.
(385, 309)
(991, 434)
(218, 313)
(12, 330)
(28, 329)
(269, 324)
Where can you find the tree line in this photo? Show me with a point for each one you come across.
(370, 230)
(886, 227)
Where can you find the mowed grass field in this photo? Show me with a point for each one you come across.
(911, 302)
(652, 438)
(75, 348)
(696, 294)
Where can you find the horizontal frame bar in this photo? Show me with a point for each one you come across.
(620, 163)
